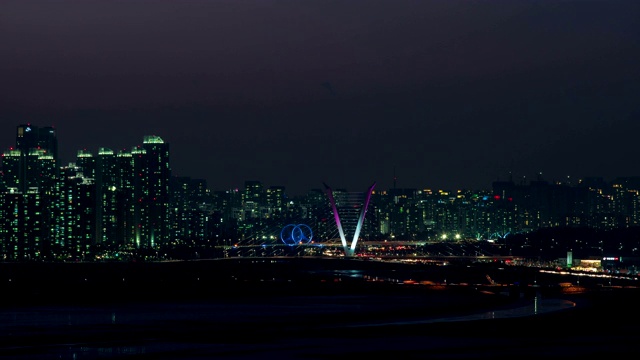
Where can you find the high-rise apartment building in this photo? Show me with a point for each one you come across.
(127, 224)
(31, 168)
(252, 199)
(276, 207)
(152, 174)
(87, 163)
(75, 219)
(29, 176)
(190, 207)
(34, 144)
(22, 227)
(110, 204)
(11, 163)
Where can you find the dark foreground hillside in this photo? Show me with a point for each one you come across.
(64, 282)
(304, 308)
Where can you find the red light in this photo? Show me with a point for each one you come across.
(497, 197)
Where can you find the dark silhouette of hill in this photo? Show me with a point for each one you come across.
(553, 243)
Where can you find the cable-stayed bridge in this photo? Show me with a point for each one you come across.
(347, 210)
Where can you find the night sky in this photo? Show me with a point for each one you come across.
(441, 94)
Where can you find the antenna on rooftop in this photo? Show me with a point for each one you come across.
(394, 177)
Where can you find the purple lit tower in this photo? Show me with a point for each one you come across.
(353, 208)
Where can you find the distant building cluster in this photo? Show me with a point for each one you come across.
(112, 204)
(109, 199)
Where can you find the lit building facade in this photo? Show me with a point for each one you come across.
(152, 175)
(75, 220)
(190, 209)
(110, 201)
(22, 225)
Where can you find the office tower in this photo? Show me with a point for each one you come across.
(33, 137)
(26, 137)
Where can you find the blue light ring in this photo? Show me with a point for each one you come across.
(298, 234)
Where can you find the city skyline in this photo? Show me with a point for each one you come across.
(516, 179)
(118, 204)
(445, 95)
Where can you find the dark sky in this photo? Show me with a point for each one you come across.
(443, 94)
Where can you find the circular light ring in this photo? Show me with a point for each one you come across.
(295, 234)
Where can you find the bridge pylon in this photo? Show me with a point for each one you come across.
(349, 210)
